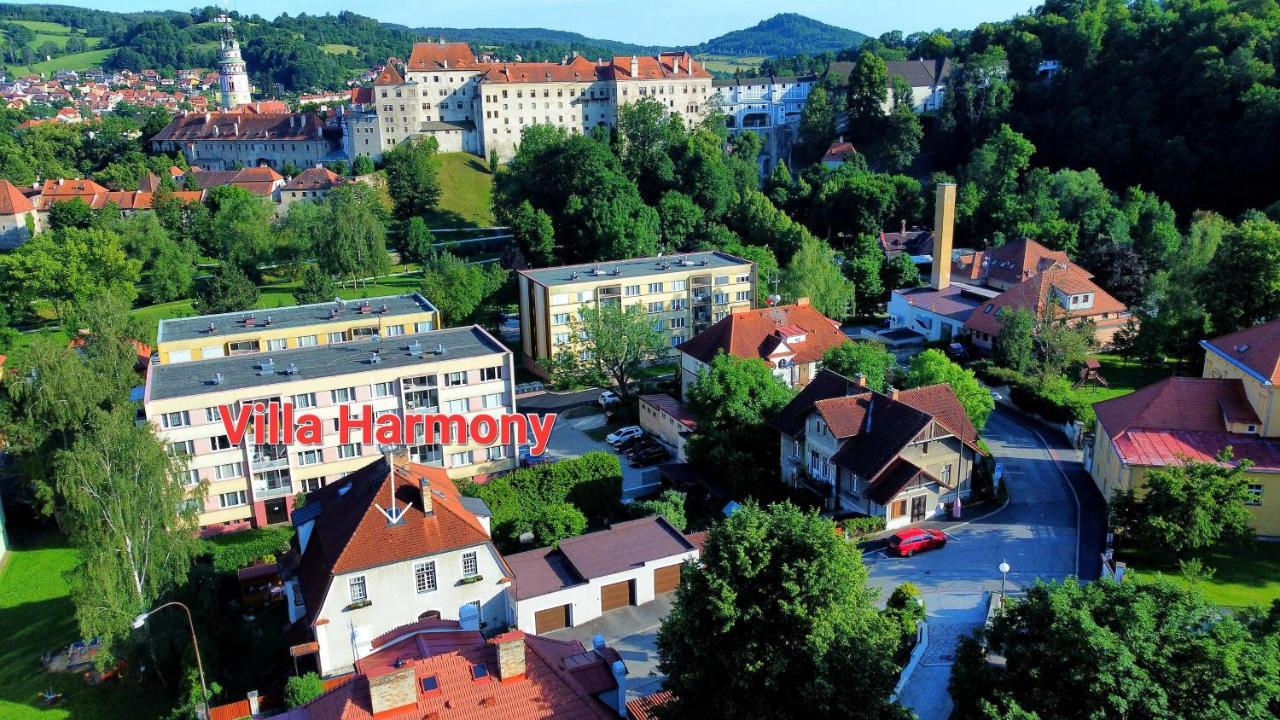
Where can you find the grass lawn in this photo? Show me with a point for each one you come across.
(1245, 576)
(727, 64)
(78, 61)
(339, 49)
(466, 190)
(36, 615)
(43, 26)
(1122, 378)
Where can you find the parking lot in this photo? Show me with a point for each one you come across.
(568, 439)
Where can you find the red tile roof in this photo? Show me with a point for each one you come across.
(838, 151)
(753, 334)
(672, 407)
(1178, 403)
(261, 181)
(668, 65)
(389, 75)
(562, 679)
(579, 69)
(1035, 293)
(1256, 348)
(440, 56)
(239, 126)
(12, 201)
(314, 178)
(1016, 261)
(1158, 448)
(59, 190)
(262, 107)
(643, 708)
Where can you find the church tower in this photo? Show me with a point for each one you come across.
(232, 75)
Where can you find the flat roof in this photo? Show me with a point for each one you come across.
(299, 316)
(246, 371)
(634, 268)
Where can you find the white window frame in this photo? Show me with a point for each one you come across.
(472, 559)
(425, 579)
(354, 583)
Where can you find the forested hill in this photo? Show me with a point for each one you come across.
(536, 38)
(783, 34)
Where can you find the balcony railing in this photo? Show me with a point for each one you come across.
(261, 492)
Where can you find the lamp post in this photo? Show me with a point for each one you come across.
(141, 620)
(1004, 575)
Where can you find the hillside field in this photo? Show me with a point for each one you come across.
(729, 65)
(78, 61)
(466, 191)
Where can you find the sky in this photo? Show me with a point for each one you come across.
(647, 22)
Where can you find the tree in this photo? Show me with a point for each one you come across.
(817, 126)
(363, 165)
(813, 273)
(670, 505)
(932, 367)
(766, 574)
(1120, 270)
(864, 266)
(302, 689)
(900, 273)
(494, 162)
(1015, 345)
(870, 359)
(682, 221)
(866, 97)
(353, 242)
(1118, 650)
(1060, 343)
(733, 399)
(458, 288)
(416, 241)
(317, 286)
(1188, 507)
(905, 607)
(615, 342)
(241, 227)
(68, 267)
(535, 234)
(130, 516)
(1246, 268)
(413, 181)
(73, 213)
(899, 144)
(991, 181)
(172, 271)
(227, 290)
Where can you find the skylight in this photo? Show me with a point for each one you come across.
(431, 685)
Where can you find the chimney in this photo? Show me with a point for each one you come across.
(393, 690)
(860, 379)
(893, 393)
(944, 222)
(802, 302)
(620, 677)
(675, 64)
(510, 655)
(469, 617)
(635, 66)
(425, 486)
(252, 697)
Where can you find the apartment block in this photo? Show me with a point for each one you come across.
(684, 294)
(463, 371)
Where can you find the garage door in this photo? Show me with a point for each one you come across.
(666, 579)
(615, 596)
(551, 619)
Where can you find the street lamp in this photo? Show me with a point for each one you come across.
(141, 620)
(1004, 575)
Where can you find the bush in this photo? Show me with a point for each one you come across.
(905, 608)
(233, 551)
(861, 526)
(670, 505)
(300, 690)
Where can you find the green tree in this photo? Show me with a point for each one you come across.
(131, 518)
(899, 272)
(353, 243)
(302, 689)
(227, 290)
(416, 242)
(68, 267)
(989, 191)
(458, 288)
(615, 342)
(932, 367)
(813, 273)
(765, 574)
(682, 221)
(413, 180)
(899, 144)
(1245, 268)
(733, 399)
(866, 97)
(670, 505)
(172, 271)
(363, 165)
(316, 286)
(242, 226)
(1015, 345)
(872, 359)
(535, 233)
(1060, 344)
(1188, 507)
(817, 126)
(647, 136)
(73, 213)
(864, 266)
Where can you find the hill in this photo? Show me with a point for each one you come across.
(534, 38)
(783, 34)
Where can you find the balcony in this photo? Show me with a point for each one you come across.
(269, 457)
(261, 492)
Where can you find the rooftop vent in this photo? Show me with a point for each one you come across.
(686, 261)
(573, 275)
(212, 328)
(597, 270)
(616, 271)
(268, 321)
(439, 349)
(703, 262)
(415, 349)
(291, 370)
(1242, 348)
(365, 308)
(266, 367)
(333, 313)
(217, 379)
(375, 357)
(384, 308)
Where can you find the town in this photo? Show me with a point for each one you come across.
(351, 369)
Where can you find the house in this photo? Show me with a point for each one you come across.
(927, 78)
(790, 339)
(260, 181)
(836, 154)
(17, 216)
(1010, 264)
(441, 669)
(1063, 289)
(389, 545)
(224, 140)
(903, 455)
(667, 419)
(311, 184)
(1177, 419)
(587, 576)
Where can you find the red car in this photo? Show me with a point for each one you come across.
(906, 543)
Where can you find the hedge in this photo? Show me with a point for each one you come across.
(236, 550)
(861, 526)
(1053, 399)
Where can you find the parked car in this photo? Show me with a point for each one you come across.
(650, 456)
(642, 447)
(906, 543)
(528, 459)
(623, 434)
(608, 399)
(634, 442)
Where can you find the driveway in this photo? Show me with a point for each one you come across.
(568, 440)
(1036, 533)
(633, 632)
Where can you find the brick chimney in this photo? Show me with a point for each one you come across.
(944, 222)
(424, 485)
(393, 690)
(802, 302)
(635, 66)
(860, 380)
(510, 655)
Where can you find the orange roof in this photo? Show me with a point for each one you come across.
(262, 107)
(1191, 404)
(756, 333)
(314, 178)
(1256, 348)
(642, 708)
(579, 69)
(59, 190)
(12, 201)
(389, 75)
(440, 56)
(669, 65)
(240, 126)
(838, 151)
(1012, 262)
(1034, 292)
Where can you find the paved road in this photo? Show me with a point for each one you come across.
(1036, 533)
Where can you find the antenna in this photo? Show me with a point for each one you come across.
(395, 514)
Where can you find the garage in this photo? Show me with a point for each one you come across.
(550, 619)
(666, 579)
(615, 596)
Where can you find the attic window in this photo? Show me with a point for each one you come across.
(1242, 348)
(430, 685)
(987, 310)
(479, 671)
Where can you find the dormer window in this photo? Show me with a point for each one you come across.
(1251, 429)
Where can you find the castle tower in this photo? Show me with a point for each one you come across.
(232, 75)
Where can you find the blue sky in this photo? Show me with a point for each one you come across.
(650, 22)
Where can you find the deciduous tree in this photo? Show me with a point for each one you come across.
(871, 359)
(931, 367)
(458, 288)
(813, 273)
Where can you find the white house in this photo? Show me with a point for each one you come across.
(388, 546)
(631, 563)
(667, 419)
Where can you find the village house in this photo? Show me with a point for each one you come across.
(389, 545)
(904, 455)
(667, 419)
(261, 181)
(225, 140)
(314, 184)
(17, 216)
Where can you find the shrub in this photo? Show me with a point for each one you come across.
(861, 526)
(905, 608)
(302, 689)
(670, 505)
(233, 551)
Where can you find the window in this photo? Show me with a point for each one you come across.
(655, 287)
(276, 345)
(655, 307)
(190, 477)
(305, 400)
(232, 499)
(220, 442)
(212, 415)
(424, 576)
(456, 406)
(455, 378)
(422, 327)
(677, 340)
(186, 447)
(490, 374)
(897, 509)
(677, 285)
(497, 452)
(385, 389)
(492, 400)
(228, 471)
(460, 459)
(631, 290)
(349, 450)
(307, 341)
(1255, 495)
(470, 567)
(743, 295)
(337, 337)
(176, 419)
(394, 330)
(343, 395)
(560, 299)
(679, 303)
(560, 319)
(560, 338)
(946, 475)
(746, 277)
(677, 322)
(356, 586)
(722, 279)
(427, 455)
(310, 457)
